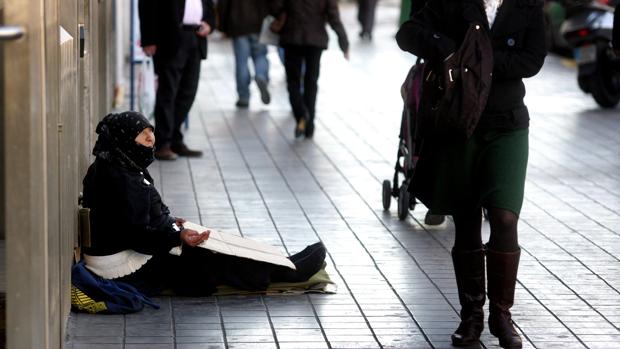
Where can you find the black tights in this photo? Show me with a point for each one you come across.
(503, 223)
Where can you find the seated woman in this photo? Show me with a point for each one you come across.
(132, 231)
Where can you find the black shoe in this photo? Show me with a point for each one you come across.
(308, 262)
(309, 129)
(300, 128)
(182, 150)
(264, 91)
(242, 103)
(165, 153)
(307, 251)
(434, 219)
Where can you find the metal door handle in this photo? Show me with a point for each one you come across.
(11, 32)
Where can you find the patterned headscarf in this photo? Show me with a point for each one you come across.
(117, 140)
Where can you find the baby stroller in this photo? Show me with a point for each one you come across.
(409, 148)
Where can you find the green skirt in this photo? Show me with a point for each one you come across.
(488, 170)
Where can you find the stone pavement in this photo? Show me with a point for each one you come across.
(395, 278)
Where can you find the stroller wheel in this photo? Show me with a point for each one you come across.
(403, 202)
(387, 194)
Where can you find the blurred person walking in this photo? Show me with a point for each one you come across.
(615, 41)
(304, 37)
(459, 176)
(241, 20)
(175, 33)
(366, 16)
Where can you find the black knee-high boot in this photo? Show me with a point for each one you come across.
(469, 271)
(502, 275)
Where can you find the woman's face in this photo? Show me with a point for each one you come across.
(146, 138)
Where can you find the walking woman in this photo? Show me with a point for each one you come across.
(459, 176)
(304, 38)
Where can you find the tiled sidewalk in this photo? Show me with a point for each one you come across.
(395, 278)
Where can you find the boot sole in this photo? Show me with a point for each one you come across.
(458, 343)
(503, 344)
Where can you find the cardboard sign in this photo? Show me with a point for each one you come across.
(235, 245)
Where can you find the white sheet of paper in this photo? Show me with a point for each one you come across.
(235, 245)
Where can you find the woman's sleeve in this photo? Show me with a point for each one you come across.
(223, 10)
(419, 35)
(616, 30)
(276, 7)
(208, 13)
(333, 18)
(524, 62)
(147, 11)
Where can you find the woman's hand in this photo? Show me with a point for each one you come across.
(192, 238)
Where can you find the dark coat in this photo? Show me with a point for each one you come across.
(306, 20)
(126, 211)
(161, 21)
(241, 17)
(616, 33)
(519, 48)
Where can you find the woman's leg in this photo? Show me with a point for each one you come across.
(503, 255)
(468, 260)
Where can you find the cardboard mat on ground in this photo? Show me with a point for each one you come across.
(239, 246)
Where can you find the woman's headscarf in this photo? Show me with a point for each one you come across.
(117, 140)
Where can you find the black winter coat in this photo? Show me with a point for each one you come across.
(519, 49)
(306, 20)
(241, 17)
(126, 211)
(616, 33)
(160, 24)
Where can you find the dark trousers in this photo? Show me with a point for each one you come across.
(303, 103)
(366, 14)
(178, 75)
(198, 272)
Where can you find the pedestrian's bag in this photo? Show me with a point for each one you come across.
(146, 87)
(456, 94)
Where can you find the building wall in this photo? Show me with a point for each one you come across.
(54, 94)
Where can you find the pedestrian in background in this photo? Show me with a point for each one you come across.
(304, 37)
(458, 176)
(175, 33)
(615, 41)
(366, 16)
(241, 20)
